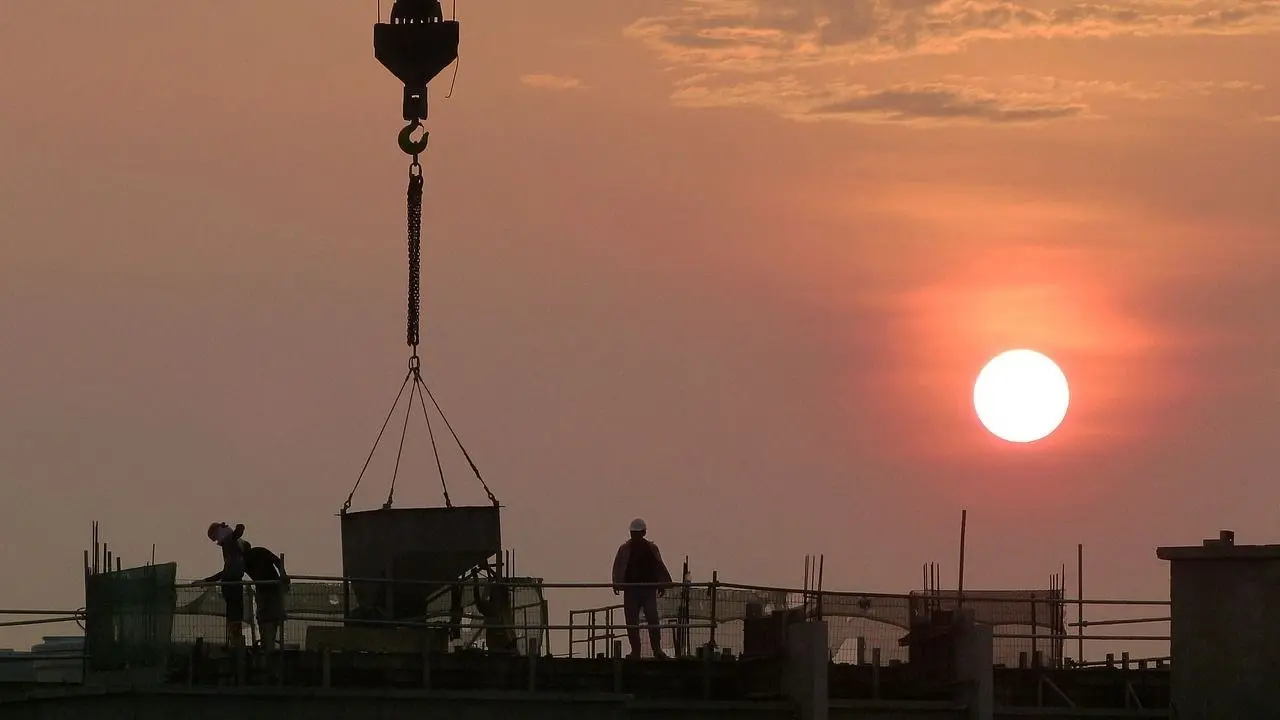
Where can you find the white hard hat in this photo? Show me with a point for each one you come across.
(637, 525)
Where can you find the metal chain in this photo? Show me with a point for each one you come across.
(413, 195)
(415, 252)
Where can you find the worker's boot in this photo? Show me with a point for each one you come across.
(270, 634)
(235, 634)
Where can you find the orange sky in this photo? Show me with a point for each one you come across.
(730, 265)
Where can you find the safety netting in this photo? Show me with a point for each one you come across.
(201, 612)
(1028, 608)
(879, 620)
(129, 617)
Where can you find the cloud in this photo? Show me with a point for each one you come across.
(939, 103)
(1160, 90)
(552, 82)
(758, 35)
(1019, 100)
(749, 53)
(919, 104)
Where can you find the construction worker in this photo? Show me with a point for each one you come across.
(271, 583)
(231, 575)
(497, 612)
(638, 561)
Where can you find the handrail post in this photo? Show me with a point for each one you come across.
(346, 600)
(1034, 630)
(591, 634)
(684, 620)
(714, 589)
(524, 630)
(545, 615)
(612, 631)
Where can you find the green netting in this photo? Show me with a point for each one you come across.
(201, 613)
(129, 617)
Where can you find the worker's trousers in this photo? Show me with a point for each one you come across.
(634, 600)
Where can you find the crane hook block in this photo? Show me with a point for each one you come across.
(416, 46)
(408, 144)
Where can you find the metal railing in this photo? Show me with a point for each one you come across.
(601, 634)
(46, 617)
(319, 600)
(1098, 644)
(875, 624)
(32, 665)
(694, 616)
(597, 630)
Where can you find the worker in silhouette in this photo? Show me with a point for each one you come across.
(499, 635)
(271, 583)
(638, 561)
(230, 576)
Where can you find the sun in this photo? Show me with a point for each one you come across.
(1021, 396)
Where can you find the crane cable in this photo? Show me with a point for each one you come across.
(414, 148)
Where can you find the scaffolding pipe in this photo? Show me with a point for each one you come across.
(1028, 636)
(1080, 599)
(1121, 621)
(42, 612)
(964, 521)
(42, 621)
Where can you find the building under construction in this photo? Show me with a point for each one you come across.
(400, 635)
(404, 631)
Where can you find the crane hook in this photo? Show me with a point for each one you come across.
(408, 144)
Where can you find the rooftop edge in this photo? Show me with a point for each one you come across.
(1222, 547)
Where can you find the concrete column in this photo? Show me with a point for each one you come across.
(808, 658)
(1225, 639)
(974, 666)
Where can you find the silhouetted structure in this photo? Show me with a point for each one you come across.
(1225, 631)
(427, 547)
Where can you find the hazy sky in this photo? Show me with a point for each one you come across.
(729, 265)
